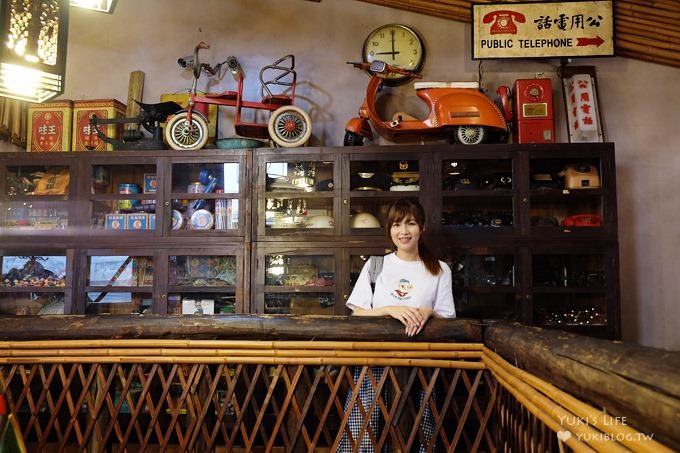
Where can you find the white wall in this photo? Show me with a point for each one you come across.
(639, 102)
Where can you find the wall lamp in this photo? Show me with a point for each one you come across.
(104, 6)
(33, 48)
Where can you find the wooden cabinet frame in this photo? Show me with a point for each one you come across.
(252, 239)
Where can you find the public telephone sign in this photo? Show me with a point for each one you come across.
(543, 30)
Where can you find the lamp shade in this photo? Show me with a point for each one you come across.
(33, 48)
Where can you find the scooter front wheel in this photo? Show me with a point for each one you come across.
(353, 139)
(180, 134)
(289, 126)
(470, 135)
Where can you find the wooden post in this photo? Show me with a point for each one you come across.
(241, 327)
(135, 90)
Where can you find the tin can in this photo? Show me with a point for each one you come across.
(196, 187)
(128, 188)
(177, 220)
(202, 219)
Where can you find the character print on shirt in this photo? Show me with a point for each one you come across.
(403, 289)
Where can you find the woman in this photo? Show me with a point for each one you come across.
(412, 286)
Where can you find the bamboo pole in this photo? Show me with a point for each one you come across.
(573, 442)
(658, 60)
(670, 5)
(633, 7)
(628, 380)
(248, 360)
(647, 50)
(651, 43)
(237, 353)
(541, 404)
(246, 344)
(662, 29)
(604, 422)
(643, 30)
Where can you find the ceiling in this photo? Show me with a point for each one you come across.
(647, 30)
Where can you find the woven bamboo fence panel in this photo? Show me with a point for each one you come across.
(647, 30)
(288, 396)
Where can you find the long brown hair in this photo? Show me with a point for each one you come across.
(403, 208)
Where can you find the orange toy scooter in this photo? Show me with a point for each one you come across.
(458, 111)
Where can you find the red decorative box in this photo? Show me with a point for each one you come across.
(83, 134)
(49, 126)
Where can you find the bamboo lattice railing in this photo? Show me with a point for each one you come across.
(231, 395)
(647, 30)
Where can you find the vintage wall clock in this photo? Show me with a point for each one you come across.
(397, 45)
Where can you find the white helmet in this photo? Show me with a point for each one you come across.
(365, 220)
(320, 221)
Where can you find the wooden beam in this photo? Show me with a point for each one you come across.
(627, 380)
(244, 327)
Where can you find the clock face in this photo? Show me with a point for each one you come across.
(397, 45)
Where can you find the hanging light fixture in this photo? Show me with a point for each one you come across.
(104, 6)
(33, 48)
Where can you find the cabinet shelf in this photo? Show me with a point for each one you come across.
(568, 290)
(488, 289)
(476, 193)
(33, 289)
(201, 289)
(298, 289)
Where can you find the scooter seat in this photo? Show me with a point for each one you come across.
(425, 85)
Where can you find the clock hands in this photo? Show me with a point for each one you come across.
(394, 52)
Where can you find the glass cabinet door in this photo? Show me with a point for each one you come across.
(484, 282)
(571, 290)
(298, 197)
(33, 285)
(206, 198)
(204, 284)
(296, 281)
(35, 198)
(356, 259)
(567, 195)
(374, 184)
(123, 197)
(477, 195)
(119, 284)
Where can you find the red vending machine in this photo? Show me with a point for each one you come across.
(533, 108)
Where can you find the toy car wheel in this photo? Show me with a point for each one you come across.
(290, 126)
(180, 134)
(470, 135)
(353, 139)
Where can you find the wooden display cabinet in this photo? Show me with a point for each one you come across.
(526, 241)
(36, 195)
(108, 221)
(530, 231)
(314, 193)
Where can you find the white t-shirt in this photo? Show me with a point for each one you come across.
(405, 283)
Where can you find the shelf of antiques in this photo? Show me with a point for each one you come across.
(285, 231)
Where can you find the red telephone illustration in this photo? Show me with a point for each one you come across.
(503, 21)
